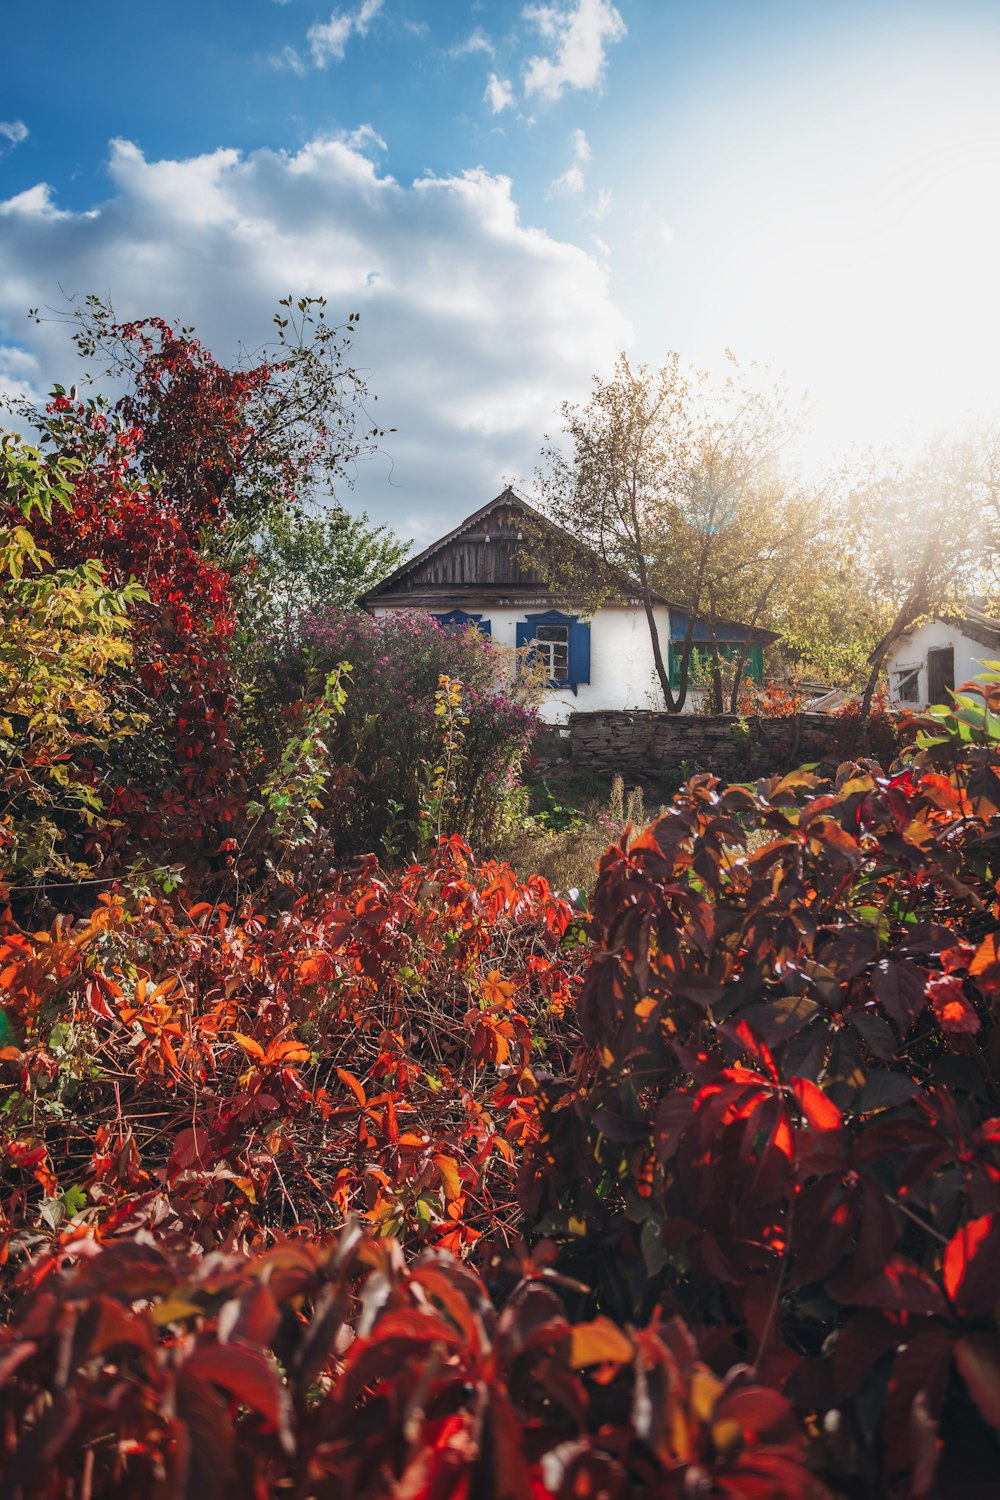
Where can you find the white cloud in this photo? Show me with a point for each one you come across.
(328, 39)
(499, 95)
(363, 137)
(600, 209)
(572, 181)
(476, 41)
(13, 132)
(474, 326)
(289, 57)
(579, 33)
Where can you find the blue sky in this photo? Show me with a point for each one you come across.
(510, 193)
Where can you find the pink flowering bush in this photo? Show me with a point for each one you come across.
(390, 739)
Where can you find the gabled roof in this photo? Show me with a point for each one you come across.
(509, 499)
(972, 621)
(981, 627)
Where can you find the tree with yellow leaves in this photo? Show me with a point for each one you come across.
(62, 630)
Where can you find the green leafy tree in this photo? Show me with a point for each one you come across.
(307, 561)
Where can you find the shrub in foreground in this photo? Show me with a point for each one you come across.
(784, 1118)
(225, 1073)
(332, 1369)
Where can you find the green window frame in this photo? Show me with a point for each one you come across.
(728, 651)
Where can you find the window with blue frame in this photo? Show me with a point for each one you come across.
(461, 618)
(563, 644)
(701, 652)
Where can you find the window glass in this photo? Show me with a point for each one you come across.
(552, 645)
(908, 685)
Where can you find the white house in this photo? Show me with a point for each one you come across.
(937, 655)
(478, 574)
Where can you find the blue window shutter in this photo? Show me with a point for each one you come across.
(485, 626)
(579, 651)
(523, 633)
(459, 617)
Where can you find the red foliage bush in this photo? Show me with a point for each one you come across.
(331, 1369)
(760, 1142)
(219, 1072)
(788, 1100)
(175, 778)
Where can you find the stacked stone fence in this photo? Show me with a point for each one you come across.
(643, 745)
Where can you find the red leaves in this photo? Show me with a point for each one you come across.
(394, 1108)
(820, 1112)
(801, 1053)
(952, 1009)
(971, 1262)
(249, 1379)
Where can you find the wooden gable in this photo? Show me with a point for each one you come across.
(484, 559)
(489, 554)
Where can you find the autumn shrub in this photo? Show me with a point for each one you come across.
(214, 1071)
(333, 1368)
(770, 699)
(783, 1121)
(392, 739)
(170, 482)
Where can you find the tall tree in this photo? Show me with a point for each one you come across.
(925, 534)
(675, 482)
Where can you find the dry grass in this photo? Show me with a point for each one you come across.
(568, 859)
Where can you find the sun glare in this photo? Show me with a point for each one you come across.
(854, 240)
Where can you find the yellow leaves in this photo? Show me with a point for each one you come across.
(173, 1310)
(450, 1182)
(61, 633)
(599, 1342)
(705, 1391)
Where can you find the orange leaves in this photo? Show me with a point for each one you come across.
(498, 992)
(198, 1024)
(279, 1053)
(985, 965)
(501, 1040)
(599, 1342)
(349, 1080)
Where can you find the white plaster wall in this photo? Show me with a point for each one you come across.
(622, 673)
(911, 651)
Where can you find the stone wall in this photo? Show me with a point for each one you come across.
(644, 745)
